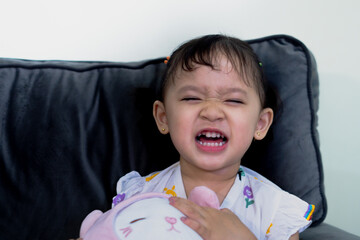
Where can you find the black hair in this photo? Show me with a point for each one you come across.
(207, 50)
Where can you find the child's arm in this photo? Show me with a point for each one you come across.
(295, 236)
(211, 223)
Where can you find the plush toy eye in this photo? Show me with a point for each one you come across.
(136, 220)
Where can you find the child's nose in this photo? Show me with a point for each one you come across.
(212, 111)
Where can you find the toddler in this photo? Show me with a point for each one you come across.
(214, 105)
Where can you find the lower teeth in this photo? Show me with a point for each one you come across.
(212, 144)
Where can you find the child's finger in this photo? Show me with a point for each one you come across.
(195, 216)
(188, 208)
(194, 225)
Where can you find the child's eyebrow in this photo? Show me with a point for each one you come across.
(198, 89)
(234, 90)
(190, 88)
(221, 91)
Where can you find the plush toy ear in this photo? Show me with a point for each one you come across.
(89, 221)
(204, 197)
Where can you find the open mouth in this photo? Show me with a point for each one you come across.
(211, 139)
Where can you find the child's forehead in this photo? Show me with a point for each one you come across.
(201, 72)
(218, 61)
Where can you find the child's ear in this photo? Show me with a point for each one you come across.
(264, 123)
(160, 116)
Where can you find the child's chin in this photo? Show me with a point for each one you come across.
(211, 165)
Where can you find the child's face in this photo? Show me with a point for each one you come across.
(212, 117)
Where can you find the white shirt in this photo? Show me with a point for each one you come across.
(269, 212)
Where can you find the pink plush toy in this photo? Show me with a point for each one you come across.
(145, 216)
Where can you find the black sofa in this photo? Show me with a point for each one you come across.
(69, 130)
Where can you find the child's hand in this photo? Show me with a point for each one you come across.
(211, 223)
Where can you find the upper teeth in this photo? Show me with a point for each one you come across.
(212, 135)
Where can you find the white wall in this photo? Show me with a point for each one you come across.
(118, 30)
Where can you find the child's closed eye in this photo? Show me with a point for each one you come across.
(190, 99)
(234, 101)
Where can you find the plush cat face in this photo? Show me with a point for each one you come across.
(153, 218)
(145, 216)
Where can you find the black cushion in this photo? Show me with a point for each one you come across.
(327, 232)
(70, 130)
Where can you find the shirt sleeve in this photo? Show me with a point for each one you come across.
(292, 215)
(128, 186)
